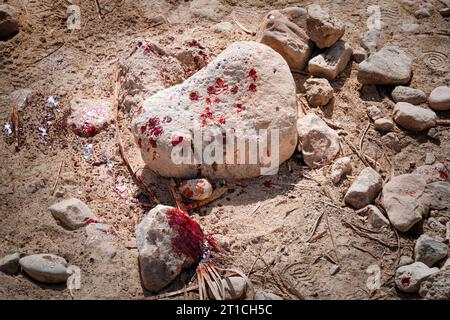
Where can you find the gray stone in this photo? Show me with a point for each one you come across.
(228, 97)
(436, 225)
(89, 116)
(159, 260)
(375, 218)
(445, 12)
(364, 189)
(283, 31)
(404, 200)
(410, 27)
(424, 11)
(405, 260)
(436, 286)
(359, 55)
(433, 173)
(414, 118)
(374, 113)
(318, 91)
(370, 40)
(211, 9)
(408, 278)
(266, 295)
(10, 264)
(390, 65)
(334, 269)
(433, 133)
(384, 124)
(438, 193)
(429, 251)
(340, 168)
(391, 141)
(319, 143)
(223, 27)
(72, 213)
(323, 29)
(235, 288)
(332, 62)
(47, 268)
(430, 158)
(407, 94)
(8, 21)
(439, 98)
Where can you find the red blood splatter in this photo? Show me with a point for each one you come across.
(187, 193)
(143, 129)
(216, 100)
(152, 142)
(49, 258)
(442, 174)
(252, 87)
(189, 239)
(167, 119)
(406, 281)
(222, 119)
(234, 90)
(220, 83)
(211, 90)
(89, 220)
(203, 123)
(207, 114)
(88, 130)
(176, 141)
(252, 74)
(208, 100)
(212, 243)
(139, 110)
(154, 126)
(194, 96)
(239, 107)
(157, 131)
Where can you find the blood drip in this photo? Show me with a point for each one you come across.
(234, 90)
(252, 87)
(194, 96)
(239, 107)
(252, 74)
(189, 239)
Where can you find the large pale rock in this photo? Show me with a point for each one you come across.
(340, 168)
(404, 201)
(364, 189)
(332, 62)
(8, 21)
(319, 143)
(408, 278)
(318, 91)
(89, 116)
(414, 118)
(283, 31)
(72, 213)
(168, 241)
(436, 286)
(439, 98)
(323, 29)
(247, 87)
(407, 94)
(429, 250)
(235, 288)
(10, 264)
(47, 268)
(438, 194)
(390, 65)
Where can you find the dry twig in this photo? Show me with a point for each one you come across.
(57, 178)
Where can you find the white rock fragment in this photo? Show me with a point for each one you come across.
(364, 189)
(332, 62)
(439, 98)
(340, 168)
(318, 92)
(89, 116)
(414, 118)
(266, 295)
(72, 213)
(408, 278)
(235, 288)
(322, 28)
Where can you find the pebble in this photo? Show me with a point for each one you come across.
(72, 213)
(384, 124)
(334, 269)
(391, 141)
(405, 260)
(47, 268)
(438, 193)
(408, 278)
(374, 113)
(424, 11)
(21, 97)
(359, 55)
(8, 21)
(322, 28)
(10, 264)
(407, 94)
(318, 92)
(390, 65)
(331, 62)
(266, 295)
(375, 218)
(364, 189)
(235, 288)
(410, 27)
(340, 168)
(433, 133)
(223, 27)
(319, 143)
(370, 40)
(429, 250)
(439, 98)
(430, 158)
(195, 189)
(414, 118)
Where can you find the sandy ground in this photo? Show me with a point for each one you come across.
(271, 216)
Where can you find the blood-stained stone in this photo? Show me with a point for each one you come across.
(247, 88)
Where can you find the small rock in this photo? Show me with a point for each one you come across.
(364, 189)
(359, 55)
(195, 189)
(390, 65)
(282, 31)
(408, 278)
(391, 141)
(410, 95)
(340, 168)
(404, 201)
(21, 97)
(334, 269)
(436, 286)
(319, 143)
(374, 113)
(8, 21)
(266, 295)
(88, 116)
(439, 98)
(370, 40)
(223, 27)
(435, 225)
(405, 260)
(318, 91)
(235, 288)
(430, 158)
(433, 173)
(414, 118)
(10, 264)
(375, 218)
(156, 21)
(384, 124)
(323, 29)
(59, 193)
(410, 27)
(32, 188)
(332, 62)
(433, 133)
(211, 9)
(72, 213)
(46, 267)
(429, 251)
(438, 193)
(424, 11)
